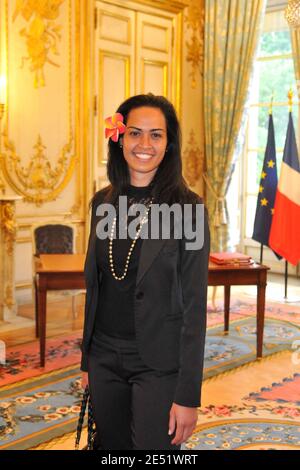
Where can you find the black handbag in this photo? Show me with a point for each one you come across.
(92, 438)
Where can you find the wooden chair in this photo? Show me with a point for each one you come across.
(53, 238)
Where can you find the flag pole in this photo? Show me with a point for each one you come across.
(290, 98)
(285, 280)
(270, 113)
(290, 299)
(261, 252)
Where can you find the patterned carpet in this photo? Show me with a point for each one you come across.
(39, 409)
(287, 391)
(242, 434)
(268, 418)
(246, 306)
(23, 361)
(45, 406)
(232, 417)
(225, 352)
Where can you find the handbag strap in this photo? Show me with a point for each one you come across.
(85, 399)
(91, 425)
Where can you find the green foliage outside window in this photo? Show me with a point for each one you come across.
(276, 76)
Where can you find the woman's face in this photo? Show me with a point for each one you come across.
(144, 143)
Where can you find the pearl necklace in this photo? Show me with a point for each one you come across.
(110, 254)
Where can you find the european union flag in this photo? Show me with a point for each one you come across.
(267, 191)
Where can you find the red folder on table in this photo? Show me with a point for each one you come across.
(230, 258)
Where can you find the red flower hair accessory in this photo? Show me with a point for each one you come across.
(114, 126)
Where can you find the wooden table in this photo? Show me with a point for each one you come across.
(54, 272)
(253, 274)
(61, 272)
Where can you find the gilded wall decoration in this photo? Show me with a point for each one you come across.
(8, 235)
(42, 174)
(39, 176)
(9, 300)
(2, 185)
(193, 161)
(42, 34)
(195, 45)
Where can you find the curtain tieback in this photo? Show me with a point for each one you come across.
(220, 216)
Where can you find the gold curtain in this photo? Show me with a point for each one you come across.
(232, 30)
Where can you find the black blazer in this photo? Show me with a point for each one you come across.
(169, 308)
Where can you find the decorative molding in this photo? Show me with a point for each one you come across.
(194, 20)
(175, 6)
(102, 14)
(41, 35)
(25, 285)
(164, 66)
(193, 160)
(28, 239)
(153, 47)
(23, 240)
(126, 59)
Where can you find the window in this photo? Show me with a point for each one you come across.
(273, 74)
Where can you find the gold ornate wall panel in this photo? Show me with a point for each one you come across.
(43, 139)
(194, 21)
(39, 138)
(41, 35)
(193, 160)
(192, 94)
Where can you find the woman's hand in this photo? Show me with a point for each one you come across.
(84, 380)
(184, 419)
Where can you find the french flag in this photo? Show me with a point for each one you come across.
(285, 230)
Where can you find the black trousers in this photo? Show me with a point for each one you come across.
(131, 402)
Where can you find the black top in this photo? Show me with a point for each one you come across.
(115, 311)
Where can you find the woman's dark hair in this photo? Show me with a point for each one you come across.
(168, 184)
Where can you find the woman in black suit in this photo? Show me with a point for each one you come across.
(145, 311)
